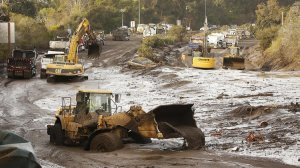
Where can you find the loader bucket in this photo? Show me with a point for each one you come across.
(175, 114)
(177, 120)
(234, 63)
(94, 49)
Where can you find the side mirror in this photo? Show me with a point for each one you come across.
(117, 98)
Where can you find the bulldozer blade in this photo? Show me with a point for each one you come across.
(234, 63)
(94, 50)
(177, 120)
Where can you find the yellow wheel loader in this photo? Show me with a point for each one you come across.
(68, 66)
(233, 60)
(96, 123)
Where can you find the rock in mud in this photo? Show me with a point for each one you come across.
(250, 111)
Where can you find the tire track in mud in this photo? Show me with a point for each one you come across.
(15, 100)
(8, 81)
(115, 52)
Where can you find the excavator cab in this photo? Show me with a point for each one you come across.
(233, 60)
(59, 59)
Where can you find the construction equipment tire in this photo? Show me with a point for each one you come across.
(43, 75)
(138, 138)
(57, 134)
(106, 142)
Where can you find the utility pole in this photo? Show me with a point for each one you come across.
(282, 18)
(122, 19)
(122, 11)
(8, 36)
(205, 33)
(139, 11)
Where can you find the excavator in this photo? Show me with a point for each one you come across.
(233, 60)
(206, 60)
(68, 66)
(99, 124)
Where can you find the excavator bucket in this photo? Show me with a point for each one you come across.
(234, 63)
(94, 49)
(177, 120)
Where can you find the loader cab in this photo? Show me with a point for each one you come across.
(98, 101)
(234, 51)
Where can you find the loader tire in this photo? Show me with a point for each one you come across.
(106, 142)
(57, 135)
(138, 138)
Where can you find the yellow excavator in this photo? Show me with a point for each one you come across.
(233, 60)
(68, 66)
(206, 60)
(98, 123)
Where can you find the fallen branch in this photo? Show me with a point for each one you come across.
(259, 94)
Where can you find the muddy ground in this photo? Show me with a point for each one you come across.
(27, 106)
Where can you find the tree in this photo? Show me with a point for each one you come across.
(268, 14)
(268, 21)
(24, 7)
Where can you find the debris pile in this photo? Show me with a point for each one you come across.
(167, 55)
(252, 137)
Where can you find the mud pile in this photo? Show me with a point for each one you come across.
(255, 111)
(167, 55)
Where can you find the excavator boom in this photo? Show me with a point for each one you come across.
(94, 46)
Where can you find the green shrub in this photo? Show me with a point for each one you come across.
(148, 43)
(284, 51)
(3, 52)
(145, 51)
(30, 33)
(266, 36)
(176, 33)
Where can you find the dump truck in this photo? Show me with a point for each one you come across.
(216, 40)
(99, 124)
(121, 34)
(150, 30)
(233, 60)
(22, 64)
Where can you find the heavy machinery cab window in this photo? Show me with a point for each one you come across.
(99, 103)
(60, 59)
(234, 51)
(23, 54)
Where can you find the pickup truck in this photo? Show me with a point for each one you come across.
(48, 59)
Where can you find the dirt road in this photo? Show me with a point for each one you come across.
(27, 106)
